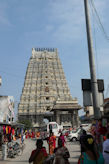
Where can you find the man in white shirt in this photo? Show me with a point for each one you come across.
(106, 150)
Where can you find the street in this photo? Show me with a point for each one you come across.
(73, 148)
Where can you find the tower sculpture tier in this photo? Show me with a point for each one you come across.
(45, 85)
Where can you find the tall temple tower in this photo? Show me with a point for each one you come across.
(45, 93)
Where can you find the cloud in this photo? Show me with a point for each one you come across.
(69, 18)
(49, 28)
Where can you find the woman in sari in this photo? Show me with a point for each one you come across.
(91, 154)
(62, 138)
(52, 143)
(39, 155)
(61, 154)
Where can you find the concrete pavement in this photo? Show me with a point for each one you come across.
(73, 148)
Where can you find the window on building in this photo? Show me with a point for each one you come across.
(48, 108)
(47, 98)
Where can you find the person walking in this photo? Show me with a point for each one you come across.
(90, 155)
(62, 138)
(39, 155)
(106, 150)
(61, 154)
(84, 134)
(51, 142)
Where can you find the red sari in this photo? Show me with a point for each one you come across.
(52, 144)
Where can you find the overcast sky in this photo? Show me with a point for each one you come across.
(51, 24)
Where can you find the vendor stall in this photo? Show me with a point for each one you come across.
(8, 132)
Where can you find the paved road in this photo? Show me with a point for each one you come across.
(73, 148)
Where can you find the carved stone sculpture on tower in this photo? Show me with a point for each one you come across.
(45, 85)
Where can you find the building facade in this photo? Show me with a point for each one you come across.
(6, 109)
(44, 85)
(106, 107)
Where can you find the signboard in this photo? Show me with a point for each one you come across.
(87, 92)
(87, 98)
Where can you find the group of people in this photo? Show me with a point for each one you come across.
(90, 152)
(52, 142)
(57, 155)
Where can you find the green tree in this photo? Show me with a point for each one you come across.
(27, 123)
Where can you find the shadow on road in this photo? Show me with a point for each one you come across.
(75, 157)
(20, 161)
(4, 160)
(75, 151)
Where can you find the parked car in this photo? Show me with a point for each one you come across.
(74, 135)
(86, 126)
(65, 132)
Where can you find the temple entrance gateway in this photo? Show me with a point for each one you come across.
(66, 112)
(45, 93)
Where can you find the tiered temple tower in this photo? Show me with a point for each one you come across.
(45, 93)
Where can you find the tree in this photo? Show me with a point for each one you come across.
(27, 123)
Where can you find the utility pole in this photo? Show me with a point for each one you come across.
(0, 80)
(94, 85)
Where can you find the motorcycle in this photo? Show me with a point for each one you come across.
(14, 149)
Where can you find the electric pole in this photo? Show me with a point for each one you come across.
(94, 85)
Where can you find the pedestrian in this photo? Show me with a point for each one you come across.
(61, 154)
(84, 133)
(62, 138)
(90, 155)
(1, 140)
(38, 135)
(106, 150)
(39, 155)
(51, 142)
(22, 137)
(108, 127)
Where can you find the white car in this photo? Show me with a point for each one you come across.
(74, 135)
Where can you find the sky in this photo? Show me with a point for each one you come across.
(60, 24)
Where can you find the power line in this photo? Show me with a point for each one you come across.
(102, 29)
(99, 21)
(107, 91)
